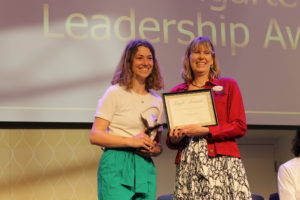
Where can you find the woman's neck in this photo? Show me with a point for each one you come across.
(139, 86)
(199, 81)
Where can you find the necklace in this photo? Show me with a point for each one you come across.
(197, 86)
(140, 97)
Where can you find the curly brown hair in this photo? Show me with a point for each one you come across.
(124, 74)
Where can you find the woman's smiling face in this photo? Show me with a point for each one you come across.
(200, 60)
(142, 63)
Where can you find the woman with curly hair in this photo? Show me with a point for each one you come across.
(126, 170)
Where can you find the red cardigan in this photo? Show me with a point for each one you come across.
(231, 119)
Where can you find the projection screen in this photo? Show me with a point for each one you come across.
(58, 57)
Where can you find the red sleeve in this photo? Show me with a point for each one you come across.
(230, 113)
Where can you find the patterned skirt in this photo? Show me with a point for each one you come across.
(200, 177)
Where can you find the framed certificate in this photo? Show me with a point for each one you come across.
(190, 107)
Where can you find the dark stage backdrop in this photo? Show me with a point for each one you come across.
(58, 57)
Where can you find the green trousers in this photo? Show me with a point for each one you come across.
(124, 175)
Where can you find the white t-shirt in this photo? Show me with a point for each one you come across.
(288, 179)
(123, 109)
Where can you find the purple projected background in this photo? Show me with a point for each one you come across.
(57, 58)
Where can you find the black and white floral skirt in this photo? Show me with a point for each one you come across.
(200, 177)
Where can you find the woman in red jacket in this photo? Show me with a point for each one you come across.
(208, 159)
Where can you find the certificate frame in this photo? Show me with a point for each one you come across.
(190, 107)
